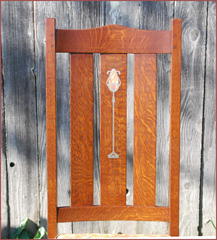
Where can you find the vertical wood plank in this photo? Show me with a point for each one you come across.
(5, 214)
(43, 10)
(194, 16)
(5, 224)
(151, 21)
(69, 15)
(81, 129)
(209, 150)
(127, 14)
(86, 15)
(175, 127)
(130, 127)
(20, 141)
(51, 138)
(96, 60)
(113, 171)
(145, 116)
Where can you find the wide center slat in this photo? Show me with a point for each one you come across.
(113, 171)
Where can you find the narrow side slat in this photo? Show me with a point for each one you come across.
(145, 130)
(51, 144)
(175, 128)
(113, 171)
(81, 129)
(104, 213)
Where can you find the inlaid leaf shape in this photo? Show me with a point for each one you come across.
(113, 81)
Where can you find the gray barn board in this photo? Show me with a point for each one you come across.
(193, 69)
(209, 174)
(20, 114)
(23, 172)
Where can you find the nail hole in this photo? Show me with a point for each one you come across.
(127, 191)
(12, 164)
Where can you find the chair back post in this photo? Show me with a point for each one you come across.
(51, 136)
(175, 97)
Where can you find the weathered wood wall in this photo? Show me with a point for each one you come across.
(23, 170)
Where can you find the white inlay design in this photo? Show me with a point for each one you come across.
(113, 83)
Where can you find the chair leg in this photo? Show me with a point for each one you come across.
(52, 229)
(174, 228)
(51, 135)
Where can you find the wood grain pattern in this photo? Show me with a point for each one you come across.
(41, 11)
(86, 15)
(97, 213)
(175, 127)
(20, 196)
(209, 184)
(3, 157)
(23, 29)
(113, 171)
(81, 129)
(159, 21)
(192, 88)
(113, 39)
(51, 145)
(127, 14)
(145, 130)
(96, 198)
(130, 126)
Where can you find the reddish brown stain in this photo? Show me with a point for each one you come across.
(113, 39)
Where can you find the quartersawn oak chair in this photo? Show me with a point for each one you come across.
(113, 42)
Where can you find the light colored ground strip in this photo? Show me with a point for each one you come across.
(103, 236)
(123, 236)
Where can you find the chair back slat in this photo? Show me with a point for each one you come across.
(81, 119)
(145, 116)
(113, 171)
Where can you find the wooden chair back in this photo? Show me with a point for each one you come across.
(114, 42)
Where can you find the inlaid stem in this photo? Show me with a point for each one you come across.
(113, 122)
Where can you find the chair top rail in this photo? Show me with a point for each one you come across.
(113, 39)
